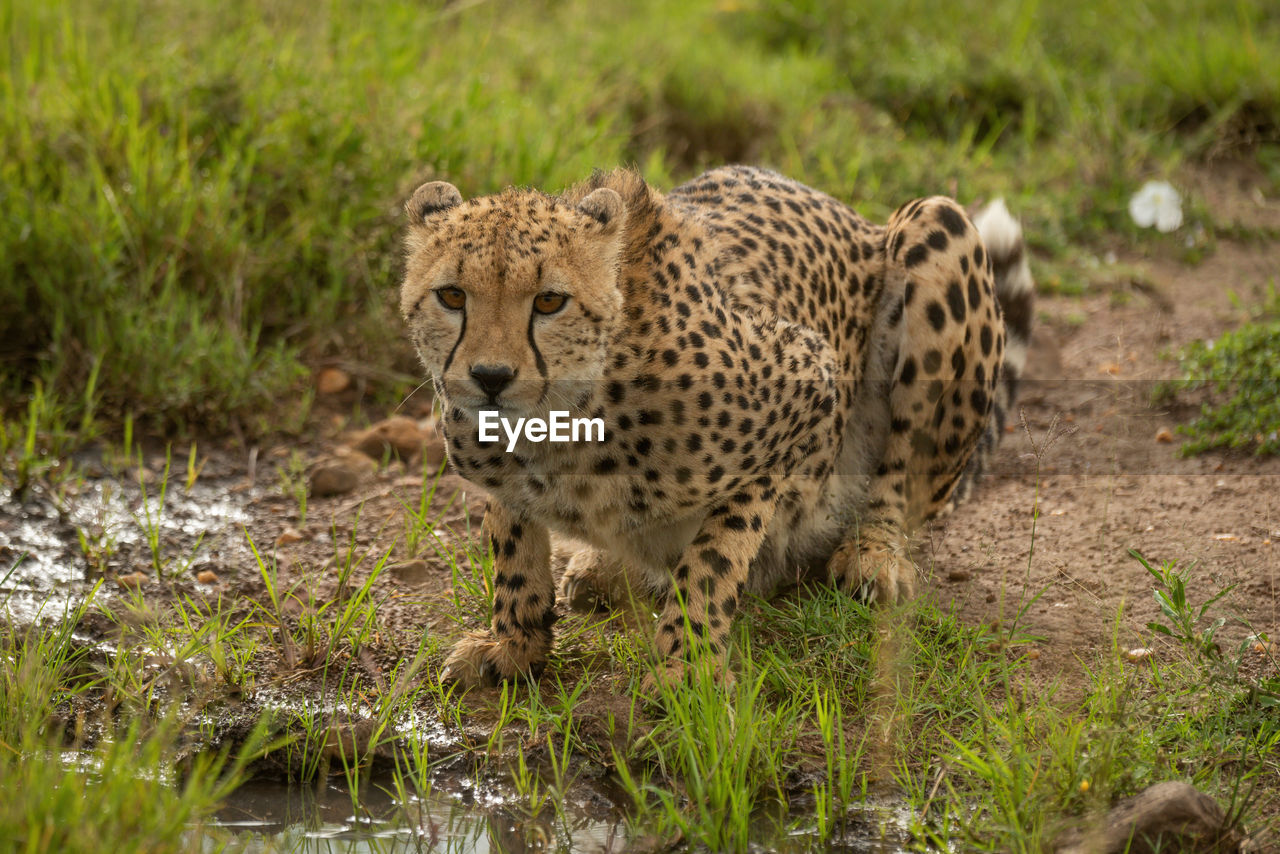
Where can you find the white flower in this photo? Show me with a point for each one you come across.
(1158, 204)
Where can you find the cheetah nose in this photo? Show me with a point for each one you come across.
(492, 379)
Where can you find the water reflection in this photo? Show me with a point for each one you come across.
(272, 817)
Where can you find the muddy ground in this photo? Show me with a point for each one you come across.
(1107, 479)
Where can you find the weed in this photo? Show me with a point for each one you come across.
(1241, 370)
(151, 517)
(194, 468)
(418, 521)
(292, 479)
(1189, 625)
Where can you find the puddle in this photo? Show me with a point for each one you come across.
(263, 816)
(462, 816)
(54, 548)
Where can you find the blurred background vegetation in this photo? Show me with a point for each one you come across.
(200, 202)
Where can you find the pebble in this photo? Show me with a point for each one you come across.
(433, 452)
(287, 536)
(340, 475)
(332, 381)
(332, 479)
(411, 572)
(133, 580)
(207, 576)
(398, 435)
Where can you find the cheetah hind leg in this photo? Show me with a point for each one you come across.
(875, 565)
(593, 579)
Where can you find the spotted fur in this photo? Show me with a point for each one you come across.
(786, 387)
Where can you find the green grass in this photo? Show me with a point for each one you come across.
(946, 716)
(1241, 371)
(80, 781)
(835, 705)
(198, 203)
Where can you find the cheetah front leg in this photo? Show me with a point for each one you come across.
(707, 583)
(519, 638)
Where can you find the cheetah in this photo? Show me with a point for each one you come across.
(787, 389)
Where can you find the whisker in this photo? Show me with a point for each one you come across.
(409, 395)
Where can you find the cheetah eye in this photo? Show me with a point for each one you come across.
(451, 297)
(549, 303)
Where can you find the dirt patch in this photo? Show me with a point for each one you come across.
(1110, 480)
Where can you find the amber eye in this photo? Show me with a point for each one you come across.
(549, 303)
(451, 297)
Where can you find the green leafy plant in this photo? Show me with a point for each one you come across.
(1188, 623)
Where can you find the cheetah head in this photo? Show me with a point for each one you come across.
(511, 299)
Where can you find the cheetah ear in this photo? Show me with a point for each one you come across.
(604, 206)
(430, 199)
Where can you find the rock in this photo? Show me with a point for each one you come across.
(207, 576)
(1169, 816)
(339, 475)
(350, 741)
(133, 580)
(396, 435)
(287, 536)
(411, 572)
(332, 381)
(433, 453)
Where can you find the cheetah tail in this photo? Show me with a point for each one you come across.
(1015, 290)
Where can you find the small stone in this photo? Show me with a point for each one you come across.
(336, 477)
(287, 536)
(332, 381)
(433, 452)
(207, 576)
(350, 741)
(133, 580)
(959, 575)
(396, 435)
(411, 573)
(1164, 436)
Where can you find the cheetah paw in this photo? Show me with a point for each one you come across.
(672, 675)
(589, 581)
(877, 568)
(480, 659)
